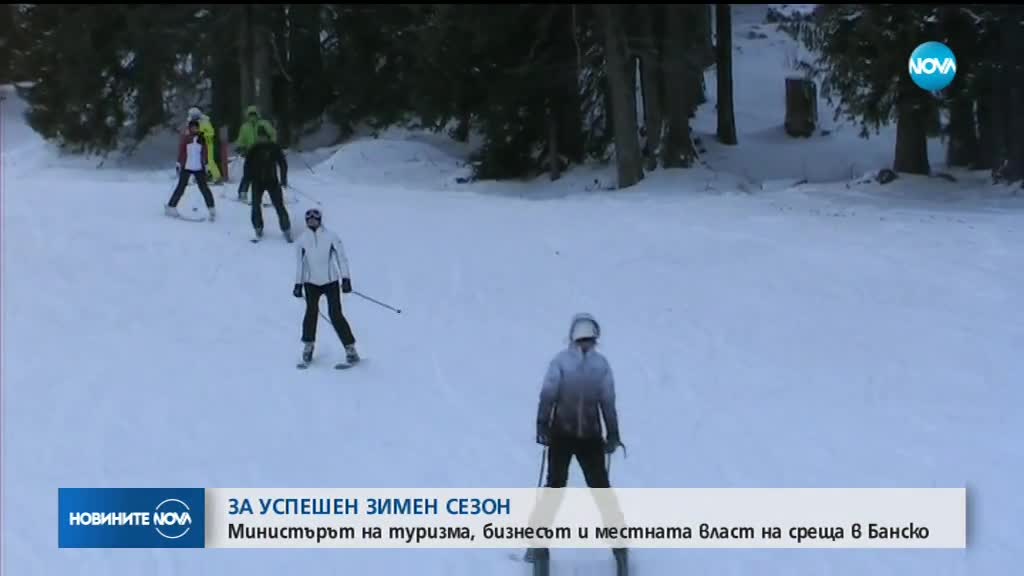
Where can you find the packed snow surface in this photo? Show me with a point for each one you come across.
(832, 334)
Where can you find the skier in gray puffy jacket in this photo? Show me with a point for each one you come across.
(578, 391)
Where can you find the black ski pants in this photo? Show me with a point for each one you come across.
(588, 452)
(243, 186)
(276, 197)
(338, 321)
(183, 178)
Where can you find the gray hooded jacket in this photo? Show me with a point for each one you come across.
(578, 389)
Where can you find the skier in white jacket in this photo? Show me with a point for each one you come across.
(321, 264)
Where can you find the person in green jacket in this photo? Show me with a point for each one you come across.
(247, 138)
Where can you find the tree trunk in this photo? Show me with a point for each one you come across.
(654, 119)
(999, 109)
(650, 83)
(723, 47)
(305, 63)
(1013, 44)
(621, 83)
(983, 106)
(962, 144)
(150, 99)
(701, 52)
(568, 109)
(554, 163)
(7, 32)
(962, 149)
(678, 150)
(262, 70)
(245, 58)
(281, 93)
(911, 132)
(225, 88)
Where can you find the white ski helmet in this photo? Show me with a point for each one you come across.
(584, 326)
(194, 113)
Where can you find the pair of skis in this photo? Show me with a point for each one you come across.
(181, 216)
(256, 239)
(540, 558)
(302, 365)
(267, 203)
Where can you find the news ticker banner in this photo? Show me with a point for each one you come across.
(513, 518)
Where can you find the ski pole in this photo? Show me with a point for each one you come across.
(304, 195)
(377, 302)
(543, 461)
(310, 168)
(608, 459)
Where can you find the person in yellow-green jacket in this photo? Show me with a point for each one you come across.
(247, 138)
(207, 132)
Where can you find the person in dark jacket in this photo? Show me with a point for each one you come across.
(247, 138)
(262, 164)
(192, 155)
(577, 394)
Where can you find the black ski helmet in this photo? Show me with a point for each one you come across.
(313, 213)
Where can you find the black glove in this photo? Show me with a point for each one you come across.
(542, 436)
(297, 291)
(611, 444)
(346, 285)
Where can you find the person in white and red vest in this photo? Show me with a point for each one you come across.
(192, 155)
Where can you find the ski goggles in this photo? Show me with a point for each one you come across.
(313, 214)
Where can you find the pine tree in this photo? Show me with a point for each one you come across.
(863, 60)
(78, 68)
(9, 41)
(535, 82)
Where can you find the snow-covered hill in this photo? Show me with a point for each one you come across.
(830, 335)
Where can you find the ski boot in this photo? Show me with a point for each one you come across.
(540, 558)
(288, 235)
(307, 353)
(259, 233)
(171, 211)
(213, 213)
(351, 356)
(621, 561)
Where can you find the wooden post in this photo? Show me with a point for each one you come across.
(801, 107)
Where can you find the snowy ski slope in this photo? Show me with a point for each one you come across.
(819, 336)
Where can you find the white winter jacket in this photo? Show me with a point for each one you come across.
(194, 155)
(320, 258)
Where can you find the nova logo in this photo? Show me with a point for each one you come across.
(132, 517)
(172, 518)
(932, 66)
